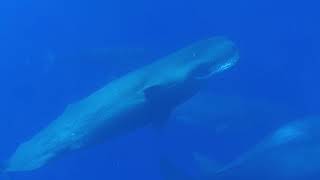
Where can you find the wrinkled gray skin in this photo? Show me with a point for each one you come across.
(141, 97)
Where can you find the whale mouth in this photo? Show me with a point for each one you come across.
(206, 71)
(227, 64)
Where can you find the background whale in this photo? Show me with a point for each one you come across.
(223, 128)
(291, 152)
(147, 95)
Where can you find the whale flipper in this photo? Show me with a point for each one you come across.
(160, 121)
(154, 96)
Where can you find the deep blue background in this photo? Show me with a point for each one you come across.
(47, 60)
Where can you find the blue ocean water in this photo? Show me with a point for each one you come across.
(56, 52)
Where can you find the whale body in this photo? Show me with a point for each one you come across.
(141, 97)
(291, 152)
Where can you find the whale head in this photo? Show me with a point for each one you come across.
(208, 57)
(182, 73)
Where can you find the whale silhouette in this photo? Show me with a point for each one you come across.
(291, 152)
(145, 96)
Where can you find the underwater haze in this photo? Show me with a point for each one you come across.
(262, 59)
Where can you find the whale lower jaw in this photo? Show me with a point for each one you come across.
(230, 63)
(222, 67)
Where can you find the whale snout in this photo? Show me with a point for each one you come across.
(213, 56)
